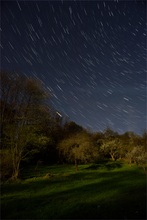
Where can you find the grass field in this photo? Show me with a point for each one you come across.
(102, 191)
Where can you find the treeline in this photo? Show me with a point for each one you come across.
(33, 132)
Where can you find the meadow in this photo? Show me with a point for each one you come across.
(110, 190)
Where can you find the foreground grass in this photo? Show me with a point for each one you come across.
(104, 191)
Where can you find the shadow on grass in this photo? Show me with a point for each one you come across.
(30, 172)
(106, 165)
(84, 178)
(81, 203)
(87, 195)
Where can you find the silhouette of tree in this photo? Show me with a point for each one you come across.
(22, 106)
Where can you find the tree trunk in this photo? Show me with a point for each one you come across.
(76, 165)
(112, 157)
(15, 173)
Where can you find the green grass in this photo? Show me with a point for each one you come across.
(102, 191)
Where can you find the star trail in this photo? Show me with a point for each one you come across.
(90, 55)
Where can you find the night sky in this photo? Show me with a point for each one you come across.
(91, 55)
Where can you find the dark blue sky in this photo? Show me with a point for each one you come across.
(91, 55)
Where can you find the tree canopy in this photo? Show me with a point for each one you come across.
(78, 148)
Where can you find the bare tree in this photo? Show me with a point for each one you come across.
(22, 105)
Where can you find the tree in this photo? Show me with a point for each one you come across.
(112, 148)
(23, 102)
(144, 140)
(109, 134)
(139, 156)
(78, 148)
(71, 128)
(110, 144)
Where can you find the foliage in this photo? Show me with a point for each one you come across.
(78, 148)
(71, 128)
(138, 156)
(111, 147)
(22, 101)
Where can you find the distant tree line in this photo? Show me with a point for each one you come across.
(32, 131)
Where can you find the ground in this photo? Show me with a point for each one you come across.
(111, 190)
